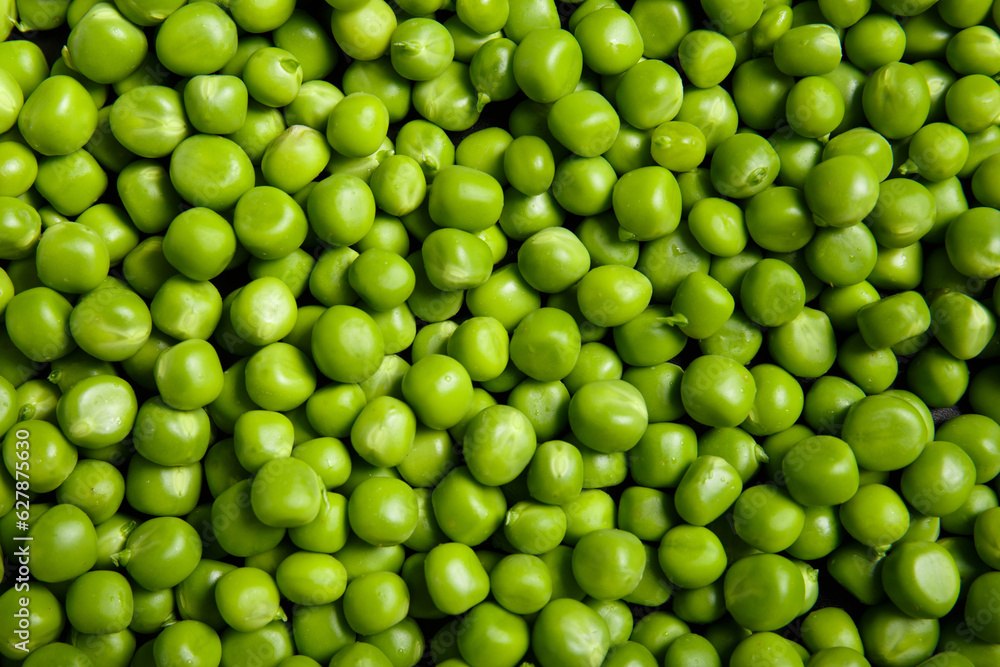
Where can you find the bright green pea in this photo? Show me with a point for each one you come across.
(71, 183)
(294, 158)
(37, 322)
(357, 125)
(196, 39)
(539, 55)
(763, 577)
(364, 31)
(896, 100)
(421, 49)
(733, 21)
(58, 117)
(842, 256)
(449, 100)
(706, 57)
(649, 94)
(808, 50)
(743, 165)
(814, 107)
(465, 198)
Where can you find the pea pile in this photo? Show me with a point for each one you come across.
(499, 333)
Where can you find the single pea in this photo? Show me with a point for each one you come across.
(745, 165)
(363, 31)
(842, 190)
(57, 115)
(492, 73)
(421, 49)
(208, 32)
(99, 602)
(764, 577)
(808, 50)
(649, 94)
(896, 100)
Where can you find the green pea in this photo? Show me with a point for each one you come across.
(743, 165)
(896, 100)
(491, 71)
(449, 100)
(540, 54)
(37, 322)
(814, 107)
(58, 117)
(505, 296)
(421, 49)
(456, 580)
(572, 632)
(940, 378)
(758, 578)
(45, 620)
(808, 50)
(213, 34)
(730, 21)
(349, 29)
(706, 57)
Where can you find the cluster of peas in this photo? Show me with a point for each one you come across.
(646, 380)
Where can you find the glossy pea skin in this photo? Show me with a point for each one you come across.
(754, 579)
(808, 50)
(743, 165)
(46, 123)
(896, 100)
(208, 32)
(543, 52)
